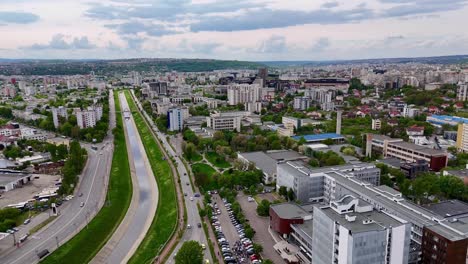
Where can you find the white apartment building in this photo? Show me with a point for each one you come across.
(462, 91)
(253, 107)
(56, 112)
(376, 124)
(88, 118)
(243, 93)
(176, 118)
(302, 103)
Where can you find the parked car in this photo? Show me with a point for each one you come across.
(27, 221)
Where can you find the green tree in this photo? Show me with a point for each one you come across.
(257, 248)
(191, 252)
(291, 195)
(263, 209)
(283, 191)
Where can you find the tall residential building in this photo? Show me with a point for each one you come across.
(351, 231)
(243, 93)
(158, 88)
(88, 118)
(56, 112)
(462, 137)
(462, 91)
(176, 117)
(263, 74)
(302, 103)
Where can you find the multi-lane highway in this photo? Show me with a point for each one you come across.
(193, 216)
(142, 209)
(92, 184)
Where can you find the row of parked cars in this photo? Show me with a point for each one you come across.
(226, 251)
(245, 245)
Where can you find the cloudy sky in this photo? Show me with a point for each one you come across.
(232, 29)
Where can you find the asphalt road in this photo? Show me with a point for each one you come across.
(72, 218)
(193, 217)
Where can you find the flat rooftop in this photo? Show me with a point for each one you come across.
(380, 221)
(447, 118)
(448, 208)
(418, 148)
(319, 137)
(261, 161)
(8, 178)
(290, 211)
(280, 155)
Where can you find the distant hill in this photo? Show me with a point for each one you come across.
(68, 67)
(455, 59)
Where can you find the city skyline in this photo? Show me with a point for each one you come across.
(244, 30)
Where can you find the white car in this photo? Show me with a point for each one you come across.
(191, 198)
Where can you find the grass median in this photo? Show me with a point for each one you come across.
(165, 220)
(86, 244)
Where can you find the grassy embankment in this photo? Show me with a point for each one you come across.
(165, 221)
(86, 244)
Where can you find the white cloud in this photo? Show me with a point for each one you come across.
(244, 30)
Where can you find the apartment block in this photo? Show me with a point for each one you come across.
(302, 103)
(243, 93)
(176, 118)
(462, 91)
(462, 137)
(89, 117)
(59, 112)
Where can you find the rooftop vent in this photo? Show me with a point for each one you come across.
(350, 218)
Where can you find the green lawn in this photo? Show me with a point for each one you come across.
(217, 160)
(165, 220)
(206, 183)
(195, 158)
(87, 243)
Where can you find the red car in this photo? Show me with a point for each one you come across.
(253, 257)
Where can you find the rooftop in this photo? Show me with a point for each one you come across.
(418, 148)
(375, 220)
(290, 211)
(261, 160)
(318, 137)
(446, 118)
(284, 155)
(6, 178)
(448, 208)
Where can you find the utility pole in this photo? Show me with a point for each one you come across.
(56, 240)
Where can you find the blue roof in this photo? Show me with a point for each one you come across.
(318, 137)
(448, 118)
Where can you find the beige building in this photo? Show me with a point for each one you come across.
(462, 137)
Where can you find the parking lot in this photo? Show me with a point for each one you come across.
(234, 246)
(28, 191)
(260, 225)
